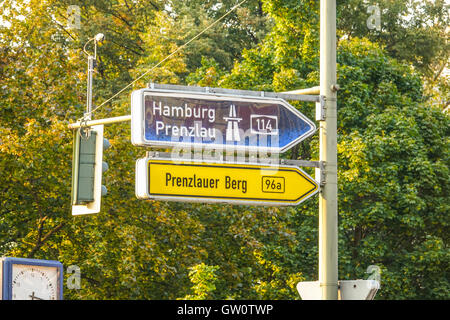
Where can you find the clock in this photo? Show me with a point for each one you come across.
(31, 279)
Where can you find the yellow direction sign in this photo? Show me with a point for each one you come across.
(195, 181)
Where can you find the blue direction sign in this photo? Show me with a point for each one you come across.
(162, 118)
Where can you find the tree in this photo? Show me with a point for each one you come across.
(412, 31)
(415, 32)
(241, 28)
(38, 98)
(393, 155)
(132, 249)
(222, 37)
(393, 170)
(393, 176)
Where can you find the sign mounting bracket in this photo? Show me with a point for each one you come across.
(321, 109)
(235, 92)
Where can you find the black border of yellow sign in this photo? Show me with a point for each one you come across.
(311, 188)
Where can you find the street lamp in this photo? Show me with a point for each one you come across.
(91, 65)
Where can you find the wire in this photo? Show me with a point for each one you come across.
(166, 58)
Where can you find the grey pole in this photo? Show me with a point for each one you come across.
(328, 211)
(91, 62)
(99, 37)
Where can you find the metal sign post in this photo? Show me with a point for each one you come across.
(329, 287)
(328, 230)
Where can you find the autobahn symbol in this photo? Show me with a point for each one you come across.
(232, 133)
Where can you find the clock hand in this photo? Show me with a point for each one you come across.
(33, 297)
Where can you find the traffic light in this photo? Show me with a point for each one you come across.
(87, 169)
(105, 166)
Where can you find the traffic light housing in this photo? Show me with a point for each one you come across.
(83, 168)
(87, 169)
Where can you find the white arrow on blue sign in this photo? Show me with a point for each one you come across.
(163, 118)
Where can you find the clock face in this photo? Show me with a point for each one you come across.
(32, 282)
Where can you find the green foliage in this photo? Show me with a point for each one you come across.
(207, 75)
(412, 31)
(245, 27)
(393, 170)
(393, 175)
(393, 152)
(204, 278)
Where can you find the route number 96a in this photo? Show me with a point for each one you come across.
(273, 184)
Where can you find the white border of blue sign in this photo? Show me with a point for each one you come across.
(138, 120)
